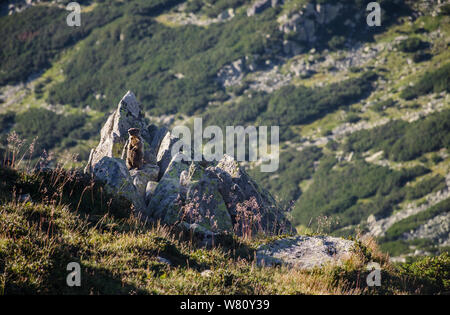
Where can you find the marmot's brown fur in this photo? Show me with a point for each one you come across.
(135, 152)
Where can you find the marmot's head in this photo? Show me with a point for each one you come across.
(133, 132)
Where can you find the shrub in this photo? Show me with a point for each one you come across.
(353, 118)
(431, 82)
(396, 231)
(411, 44)
(431, 273)
(336, 42)
(383, 105)
(421, 56)
(298, 105)
(336, 191)
(50, 128)
(426, 186)
(402, 141)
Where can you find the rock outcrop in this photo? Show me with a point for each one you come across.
(118, 180)
(211, 198)
(304, 252)
(114, 134)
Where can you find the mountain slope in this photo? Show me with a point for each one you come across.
(363, 111)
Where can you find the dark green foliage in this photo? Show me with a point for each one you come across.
(334, 34)
(49, 127)
(7, 120)
(396, 231)
(426, 186)
(31, 39)
(247, 110)
(149, 8)
(383, 105)
(402, 141)
(7, 179)
(294, 166)
(411, 44)
(74, 189)
(421, 56)
(336, 42)
(152, 53)
(298, 105)
(445, 9)
(352, 118)
(400, 246)
(291, 105)
(213, 8)
(196, 52)
(436, 159)
(431, 82)
(378, 138)
(337, 192)
(430, 273)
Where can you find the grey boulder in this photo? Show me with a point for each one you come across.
(114, 173)
(304, 252)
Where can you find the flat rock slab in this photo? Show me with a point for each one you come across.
(304, 252)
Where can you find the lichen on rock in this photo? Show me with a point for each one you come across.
(304, 252)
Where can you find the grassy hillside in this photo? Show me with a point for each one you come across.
(119, 254)
(363, 112)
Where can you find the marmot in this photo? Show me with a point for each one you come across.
(135, 152)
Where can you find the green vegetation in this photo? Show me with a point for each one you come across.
(292, 105)
(353, 118)
(294, 167)
(402, 141)
(383, 105)
(298, 105)
(431, 82)
(350, 192)
(134, 45)
(213, 8)
(150, 55)
(445, 9)
(425, 187)
(410, 223)
(130, 30)
(434, 272)
(338, 189)
(119, 254)
(411, 44)
(32, 39)
(50, 128)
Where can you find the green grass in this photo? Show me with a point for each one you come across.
(119, 254)
(435, 81)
